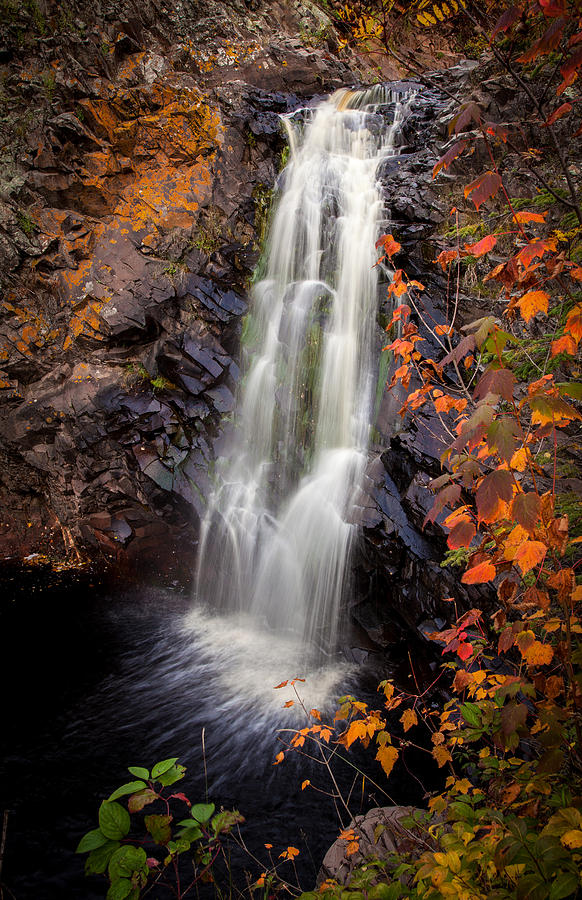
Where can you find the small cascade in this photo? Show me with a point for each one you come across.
(277, 537)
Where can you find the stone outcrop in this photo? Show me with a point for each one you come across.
(379, 834)
(143, 141)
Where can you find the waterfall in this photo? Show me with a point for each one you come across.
(280, 526)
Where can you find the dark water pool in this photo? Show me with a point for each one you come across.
(94, 682)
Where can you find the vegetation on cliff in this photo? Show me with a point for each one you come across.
(509, 820)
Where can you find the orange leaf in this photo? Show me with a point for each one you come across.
(558, 113)
(288, 704)
(529, 555)
(533, 302)
(387, 756)
(574, 322)
(564, 344)
(352, 848)
(523, 217)
(389, 244)
(446, 257)
(408, 719)
(305, 783)
(480, 574)
(279, 759)
(538, 654)
(482, 247)
(277, 686)
(483, 188)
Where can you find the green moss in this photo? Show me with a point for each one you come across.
(26, 224)
(383, 368)
(159, 383)
(262, 196)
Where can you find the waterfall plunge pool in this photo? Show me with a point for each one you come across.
(95, 682)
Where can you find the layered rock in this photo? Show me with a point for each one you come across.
(144, 142)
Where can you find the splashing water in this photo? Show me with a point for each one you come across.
(276, 540)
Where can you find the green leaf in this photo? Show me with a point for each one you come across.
(202, 812)
(172, 775)
(163, 766)
(98, 860)
(91, 841)
(127, 860)
(159, 827)
(128, 788)
(531, 887)
(191, 826)
(189, 835)
(570, 388)
(119, 890)
(471, 713)
(501, 436)
(114, 820)
(139, 772)
(564, 885)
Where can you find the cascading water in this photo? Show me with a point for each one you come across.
(277, 536)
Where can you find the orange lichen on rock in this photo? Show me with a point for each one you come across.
(167, 196)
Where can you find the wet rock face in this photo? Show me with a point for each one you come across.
(401, 590)
(143, 141)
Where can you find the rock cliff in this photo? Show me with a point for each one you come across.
(141, 142)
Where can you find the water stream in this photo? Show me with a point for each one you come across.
(277, 538)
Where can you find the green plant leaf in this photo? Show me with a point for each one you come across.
(139, 772)
(91, 841)
(119, 890)
(130, 788)
(175, 773)
(471, 713)
(163, 766)
(127, 860)
(114, 820)
(202, 812)
(159, 827)
(570, 388)
(564, 885)
(98, 860)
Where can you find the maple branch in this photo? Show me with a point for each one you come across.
(539, 107)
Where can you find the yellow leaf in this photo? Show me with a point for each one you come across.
(572, 839)
(442, 755)
(387, 756)
(408, 719)
(355, 732)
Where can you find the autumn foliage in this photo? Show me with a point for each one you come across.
(508, 821)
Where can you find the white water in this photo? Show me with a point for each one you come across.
(276, 540)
